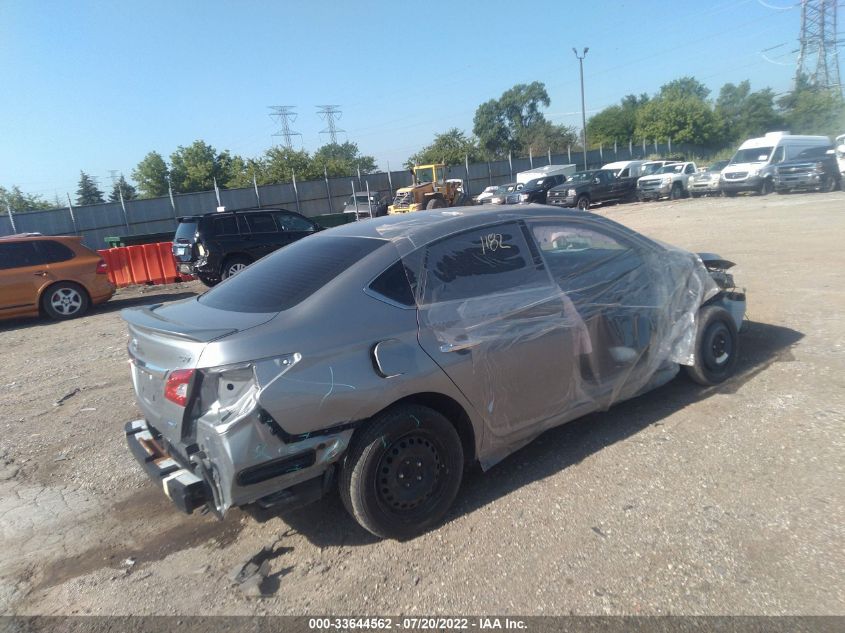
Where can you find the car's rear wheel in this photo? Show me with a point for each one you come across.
(583, 202)
(65, 300)
(716, 346)
(234, 265)
(402, 471)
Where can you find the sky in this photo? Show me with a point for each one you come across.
(95, 86)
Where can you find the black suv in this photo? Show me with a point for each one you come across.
(814, 169)
(536, 190)
(217, 245)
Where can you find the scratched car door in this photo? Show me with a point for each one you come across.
(493, 320)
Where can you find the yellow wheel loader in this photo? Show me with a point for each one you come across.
(431, 190)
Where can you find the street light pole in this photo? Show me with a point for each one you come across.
(583, 108)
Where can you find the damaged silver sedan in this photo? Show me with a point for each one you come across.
(386, 356)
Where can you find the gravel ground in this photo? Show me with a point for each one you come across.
(687, 500)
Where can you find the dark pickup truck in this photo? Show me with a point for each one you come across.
(585, 188)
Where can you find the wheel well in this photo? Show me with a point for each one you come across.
(453, 412)
(46, 289)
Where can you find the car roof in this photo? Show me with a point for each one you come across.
(34, 237)
(249, 210)
(421, 227)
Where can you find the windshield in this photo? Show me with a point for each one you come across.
(651, 169)
(186, 231)
(289, 275)
(752, 155)
(671, 169)
(582, 176)
(424, 175)
(719, 165)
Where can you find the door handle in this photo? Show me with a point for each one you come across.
(40, 273)
(458, 347)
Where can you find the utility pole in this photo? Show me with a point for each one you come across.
(330, 113)
(819, 40)
(583, 107)
(285, 116)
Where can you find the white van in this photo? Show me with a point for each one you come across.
(752, 167)
(840, 152)
(547, 170)
(626, 168)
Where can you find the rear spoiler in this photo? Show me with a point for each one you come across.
(146, 319)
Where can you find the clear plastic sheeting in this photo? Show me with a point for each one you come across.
(540, 320)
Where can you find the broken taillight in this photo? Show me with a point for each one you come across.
(102, 267)
(177, 385)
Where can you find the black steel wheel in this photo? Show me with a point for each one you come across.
(716, 346)
(402, 471)
(583, 202)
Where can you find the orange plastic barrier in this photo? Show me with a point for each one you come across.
(144, 264)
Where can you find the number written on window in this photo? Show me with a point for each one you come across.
(492, 242)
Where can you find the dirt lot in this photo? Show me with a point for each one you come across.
(683, 501)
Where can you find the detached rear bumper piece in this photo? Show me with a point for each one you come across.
(187, 491)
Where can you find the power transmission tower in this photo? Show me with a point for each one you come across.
(818, 58)
(329, 113)
(285, 116)
(113, 175)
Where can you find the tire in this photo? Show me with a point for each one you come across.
(583, 202)
(729, 194)
(436, 203)
(829, 185)
(397, 448)
(233, 265)
(208, 280)
(65, 300)
(766, 187)
(716, 347)
(677, 192)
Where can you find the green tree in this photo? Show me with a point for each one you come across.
(617, 122)
(342, 159)
(195, 167)
(744, 114)
(684, 87)
(122, 186)
(21, 202)
(450, 147)
(280, 162)
(686, 119)
(810, 109)
(151, 175)
(87, 192)
(511, 122)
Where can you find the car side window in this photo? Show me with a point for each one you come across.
(19, 255)
(226, 225)
(624, 173)
(583, 260)
(486, 261)
(288, 222)
(260, 223)
(53, 252)
(397, 283)
(689, 169)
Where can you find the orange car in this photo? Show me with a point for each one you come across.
(56, 276)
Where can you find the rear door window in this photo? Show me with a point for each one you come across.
(19, 255)
(54, 252)
(487, 261)
(225, 226)
(289, 275)
(397, 283)
(290, 222)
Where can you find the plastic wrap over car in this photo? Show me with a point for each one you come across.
(588, 319)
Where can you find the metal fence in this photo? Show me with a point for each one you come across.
(316, 197)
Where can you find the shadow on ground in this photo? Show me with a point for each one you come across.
(326, 523)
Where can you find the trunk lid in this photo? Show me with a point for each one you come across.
(163, 338)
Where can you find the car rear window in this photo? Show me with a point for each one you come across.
(289, 275)
(186, 231)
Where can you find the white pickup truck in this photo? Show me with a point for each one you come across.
(670, 181)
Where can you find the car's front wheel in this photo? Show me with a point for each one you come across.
(402, 471)
(716, 346)
(583, 202)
